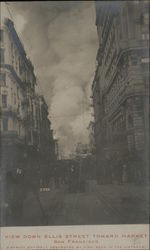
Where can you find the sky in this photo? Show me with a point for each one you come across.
(60, 39)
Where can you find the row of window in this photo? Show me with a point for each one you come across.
(5, 124)
(19, 64)
(5, 128)
(118, 124)
(4, 101)
(109, 47)
(109, 70)
(16, 60)
(117, 85)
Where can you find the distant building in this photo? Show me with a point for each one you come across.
(121, 83)
(82, 150)
(47, 150)
(91, 137)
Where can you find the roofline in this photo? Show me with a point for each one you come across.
(14, 35)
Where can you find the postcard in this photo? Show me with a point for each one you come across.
(74, 122)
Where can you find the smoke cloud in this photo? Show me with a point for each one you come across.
(61, 41)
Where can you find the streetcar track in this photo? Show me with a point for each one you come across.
(115, 211)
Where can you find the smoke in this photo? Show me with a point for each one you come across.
(61, 41)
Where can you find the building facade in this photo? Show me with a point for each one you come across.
(17, 94)
(27, 143)
(47, 147)
(121, 83)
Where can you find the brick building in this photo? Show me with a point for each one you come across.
(121, 83)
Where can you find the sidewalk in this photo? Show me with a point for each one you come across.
(129, 201)
(39, 207)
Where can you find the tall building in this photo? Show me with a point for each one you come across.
(17, 91)
(27, 143)
(121, 83)
(25, 127)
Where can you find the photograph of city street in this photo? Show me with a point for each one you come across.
(74, 113)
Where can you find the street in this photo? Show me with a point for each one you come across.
(99, 204)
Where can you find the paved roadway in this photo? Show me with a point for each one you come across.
(100, 204)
